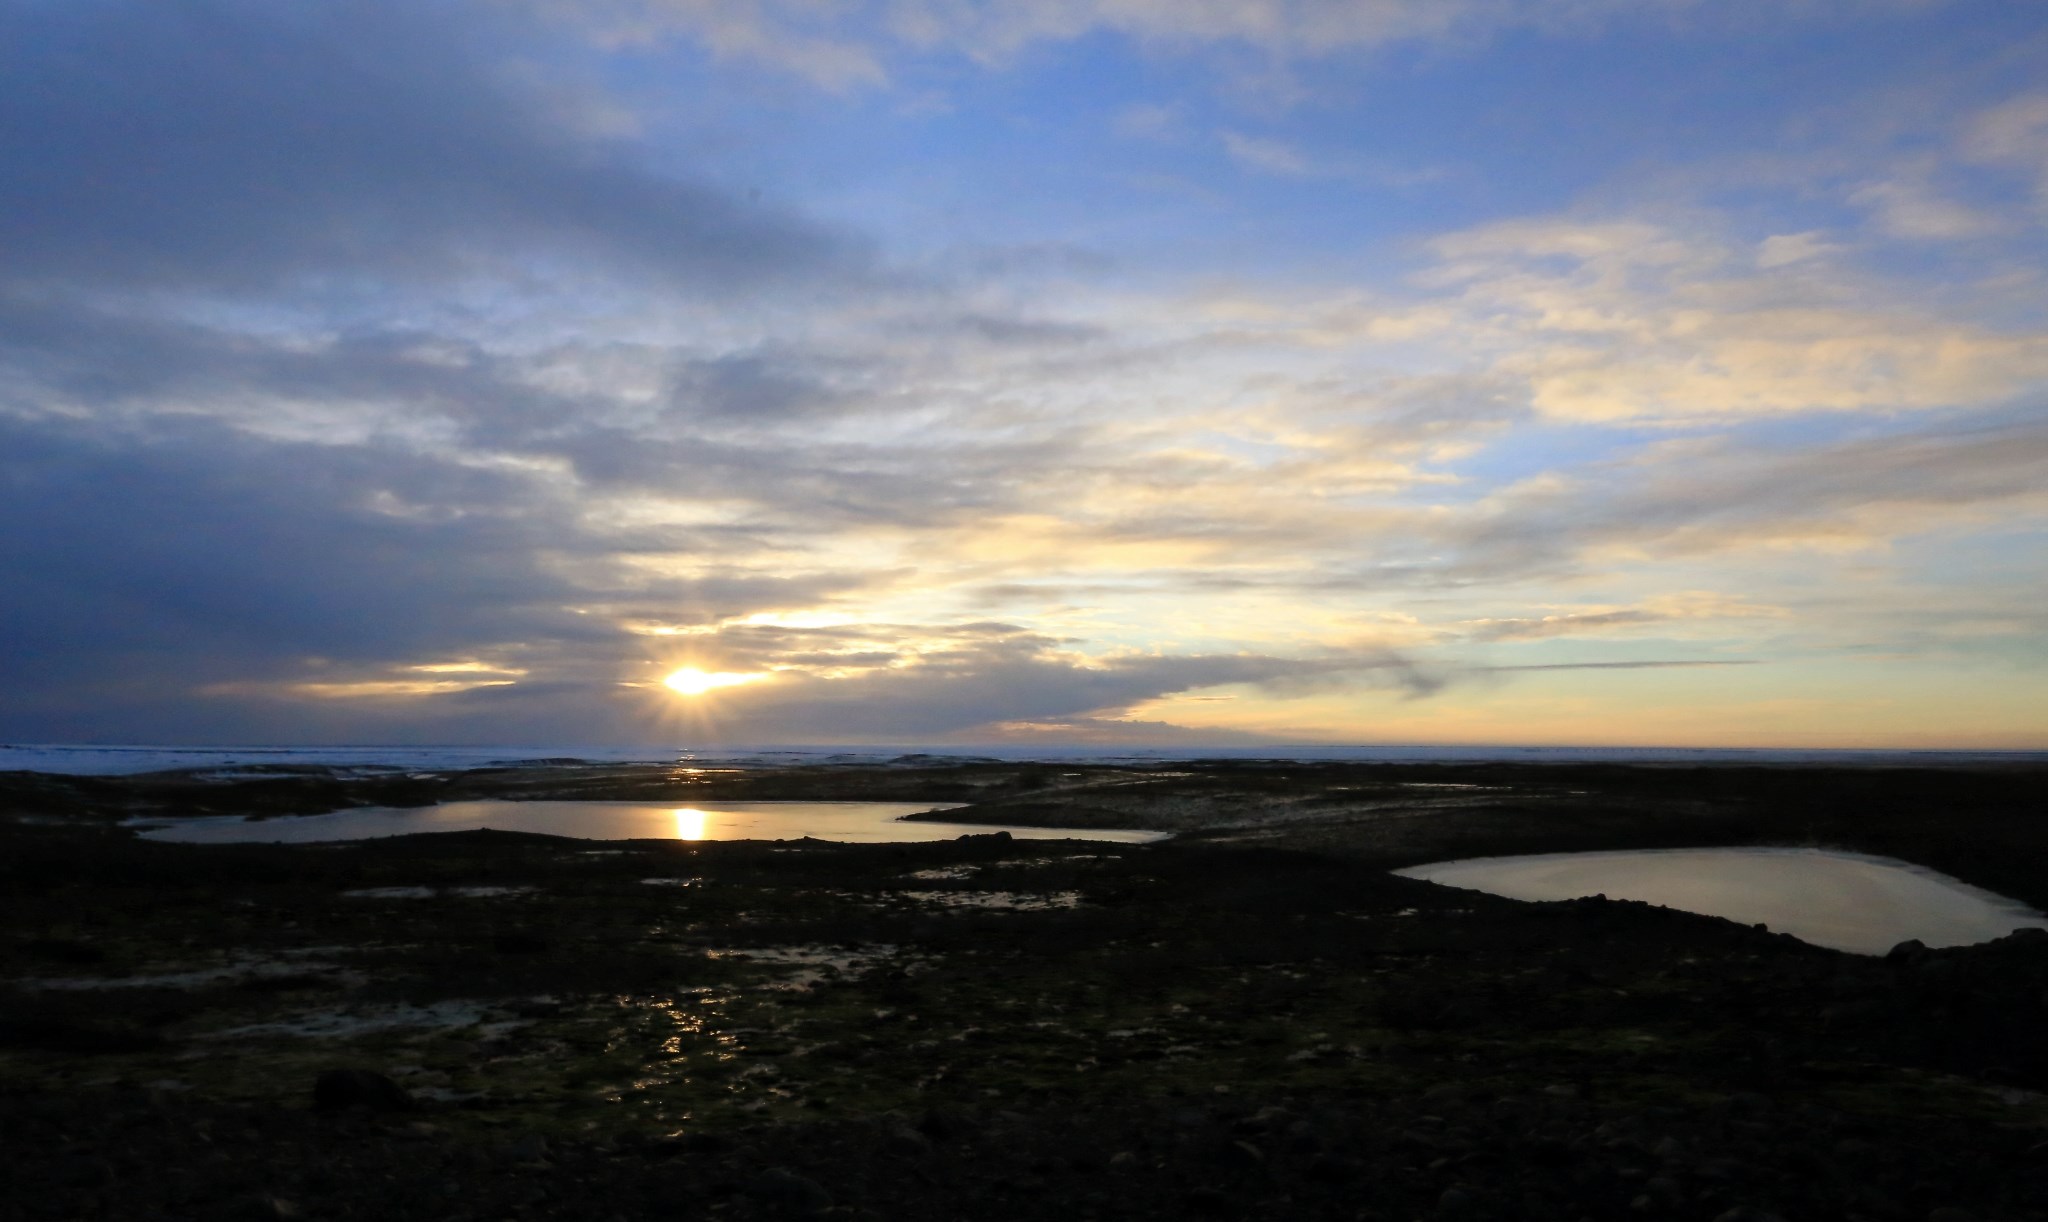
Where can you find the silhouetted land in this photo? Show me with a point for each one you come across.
(1252, 1020)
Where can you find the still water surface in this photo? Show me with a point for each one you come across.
(1847, 901)
(862, 822)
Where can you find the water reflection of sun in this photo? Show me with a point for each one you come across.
(690, 823)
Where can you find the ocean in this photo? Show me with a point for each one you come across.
(84, 759)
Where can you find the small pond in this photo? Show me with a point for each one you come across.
(1847, 901)
(863, 822)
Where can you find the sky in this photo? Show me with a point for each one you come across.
(1163, 372)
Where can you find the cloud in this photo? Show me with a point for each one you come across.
(1651, 664)
(359, 382)
(1110, 732)
(1266, 156)
(155, 561)
(298, 589)
(1626, 319)
(239, 145)
(1609, 621)
(1004, 676)
(845, 45)
(2015, 130)
(1586, 623)
(1784, 249)
(1147, 121)
(1911, 207)
(2014, 133)
(1716, 497)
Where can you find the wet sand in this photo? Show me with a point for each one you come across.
(1253, 1019)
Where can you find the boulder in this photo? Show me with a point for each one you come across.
(784, 1190)
(340, 1089)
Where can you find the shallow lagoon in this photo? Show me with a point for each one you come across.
(855, 822)
(1847, 901)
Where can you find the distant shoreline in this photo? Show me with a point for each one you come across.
(122, 759)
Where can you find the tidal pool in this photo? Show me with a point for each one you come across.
(862, 822)
(1847, 901)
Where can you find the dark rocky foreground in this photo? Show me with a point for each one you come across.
(1254, 1020)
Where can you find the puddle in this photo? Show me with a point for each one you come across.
(857, 822)
(341, 1024)
(799, 967)
(1846, 901)
(1006, 901)
(427, 893)
(236, 971)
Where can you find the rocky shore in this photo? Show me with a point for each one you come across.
(1251, 1020)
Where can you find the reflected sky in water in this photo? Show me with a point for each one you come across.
(1847, 901)
(854, 822)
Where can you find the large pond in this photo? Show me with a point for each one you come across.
(1844, 900)
(864, 822)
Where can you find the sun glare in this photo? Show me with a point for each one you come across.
(690, 823)
(693, 682)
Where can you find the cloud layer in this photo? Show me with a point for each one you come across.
(405, 372)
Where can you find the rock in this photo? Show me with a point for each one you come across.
(1243, 1156)
(940, 1124)
(83, 1172)
(1267, 1119)
(63, 1030)
(263, 1207)
(679, 1144)
(781, 1188)
(1906, 952)
(905, 1142)
(64, 951)
(531, 1148)
(1456, 1201)
(338, 1089)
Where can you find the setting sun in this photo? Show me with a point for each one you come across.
(693, 682)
